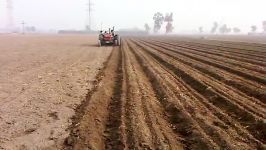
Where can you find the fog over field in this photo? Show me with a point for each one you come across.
(170, 75)
(188, 14)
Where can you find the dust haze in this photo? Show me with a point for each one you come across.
(188, 16)
(132, 74)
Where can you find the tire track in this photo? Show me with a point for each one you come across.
(113, 133)
(90, 121)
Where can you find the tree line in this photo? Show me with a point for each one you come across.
(224, 28)
(159, 19)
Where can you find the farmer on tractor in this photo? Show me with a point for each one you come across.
(109, 38)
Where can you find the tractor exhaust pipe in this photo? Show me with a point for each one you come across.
(109, 30)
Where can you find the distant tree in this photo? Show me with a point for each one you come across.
(236, 30)
(200, 29)
(147, 28)
(253, 28)
(224, 29)
(158, 21)
(168, 17)
(264, 26)
(214, 27)
(169, 26)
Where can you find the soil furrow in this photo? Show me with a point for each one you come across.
(253, 57)
(225, 118)
(230, 80)
(140, 132)
(214, 48)
(113, 133)
(210, 130)
(230, 59)
(236, 70)
(174, 93)
(218, 100)
(89, 124)
(234, 48)
(161, 136)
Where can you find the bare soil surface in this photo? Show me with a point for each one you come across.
(149, 93)
(43, 79)
(239, 38)
(175, 93)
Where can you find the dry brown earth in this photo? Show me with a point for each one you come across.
(43, 78)
(152, 93)
(175, 93)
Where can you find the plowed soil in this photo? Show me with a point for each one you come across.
(174, 93)
(43, 78)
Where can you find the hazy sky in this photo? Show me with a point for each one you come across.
(188, 14)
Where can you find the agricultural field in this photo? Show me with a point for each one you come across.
(43, 78)
(176, 93)
(65, 92)
(239, 38)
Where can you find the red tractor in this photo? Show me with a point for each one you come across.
(109, 38)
